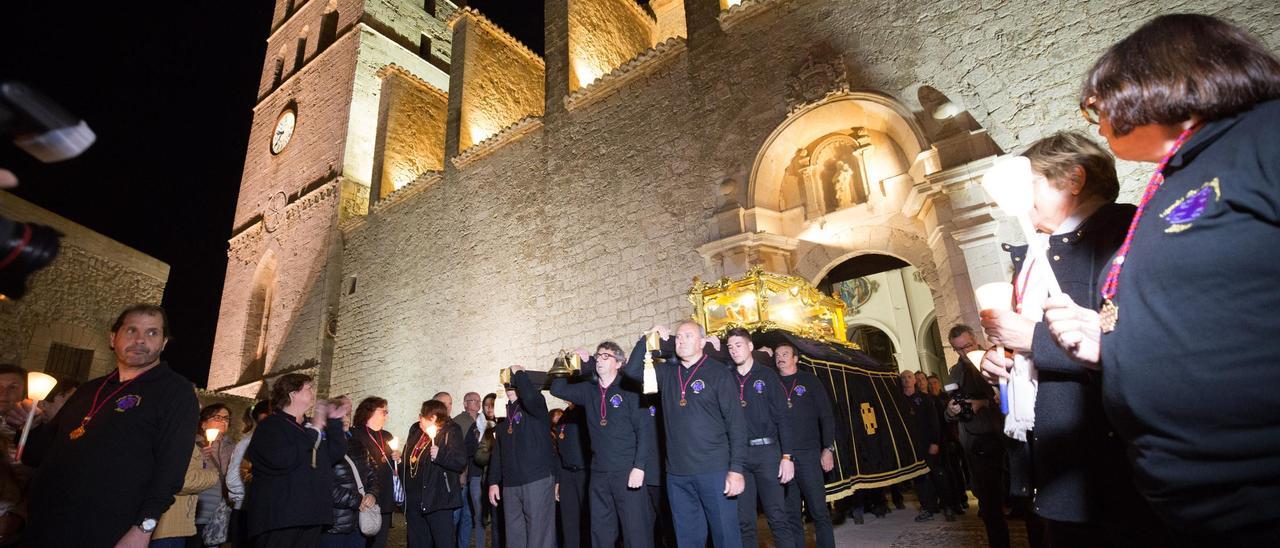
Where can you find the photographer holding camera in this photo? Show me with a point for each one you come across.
(981, 434)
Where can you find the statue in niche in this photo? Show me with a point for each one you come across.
(843, 181)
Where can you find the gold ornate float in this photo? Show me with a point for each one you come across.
(762, 300)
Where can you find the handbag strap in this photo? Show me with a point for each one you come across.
(355, 473)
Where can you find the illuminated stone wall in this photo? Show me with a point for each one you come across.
(75, 299)
(587, 228)
(603, 34)
(502, 80)
(411, 130)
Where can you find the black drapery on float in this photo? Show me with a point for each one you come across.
(873, 446)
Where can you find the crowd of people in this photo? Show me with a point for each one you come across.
(1138, 363)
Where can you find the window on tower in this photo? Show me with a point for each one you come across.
(300, 55)
(430, 6)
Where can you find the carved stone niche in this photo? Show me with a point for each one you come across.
(832, 172)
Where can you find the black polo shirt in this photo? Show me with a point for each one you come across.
(709, 432)
(126, 467)
(623, 441)
(523, 453)
(570, 439)
(1191, 370)
(813, 420)
(765, 405)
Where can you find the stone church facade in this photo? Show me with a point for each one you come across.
(426, 200)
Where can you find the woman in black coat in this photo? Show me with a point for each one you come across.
(430, 469)
(1082, 486)
(288, 503)
(348, 502)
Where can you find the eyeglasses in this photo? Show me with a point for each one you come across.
(606, 356)
(1090, 111)
(221, 418)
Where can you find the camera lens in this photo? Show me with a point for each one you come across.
(24, 249)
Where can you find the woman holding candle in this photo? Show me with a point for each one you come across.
(216, 449)
(1185, 338)
(435, 453)
(1084, 500)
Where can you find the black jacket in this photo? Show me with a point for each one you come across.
(1070, 483)
(432, 485)
(1190, 372)
(346, 493)
(623, 442)
(371, 447)
(126, 467)
(287, 491)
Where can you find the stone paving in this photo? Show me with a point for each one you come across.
(896, 530)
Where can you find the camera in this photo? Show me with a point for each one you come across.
(961, 401)
(49, 133)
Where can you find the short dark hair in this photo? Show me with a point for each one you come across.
(11, 369)
(613, 348)
(143, 308)
(794, 350)
(434, 410)
(957, 330)
(208, 411)
(489, 397)
(737, 332)
(250, 419)
(1177, 66)
(438, 394)
(1057, 156)
(365, 410)
(286, 384)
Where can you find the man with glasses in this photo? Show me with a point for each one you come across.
(621, 435)
(982, 436)
(474, 426)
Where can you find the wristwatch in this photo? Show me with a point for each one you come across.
(148, 525)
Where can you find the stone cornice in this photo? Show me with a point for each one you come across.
(748, 239)
(402, 72)
(627, 72)
(743, 11)
(636, 9)
(243, 246)
(497, 31)
(407, 191)
(505, 135)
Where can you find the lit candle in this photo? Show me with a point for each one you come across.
(211, 434)
(431, 432)
(38, 387)
(393, 444)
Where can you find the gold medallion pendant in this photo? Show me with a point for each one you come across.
(604, 422)
(683, 402)
(788, 404)
(744, 402)
(1108, 316)
(75, 434)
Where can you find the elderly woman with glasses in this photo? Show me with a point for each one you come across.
(217, 455)
(1084, 498)
(1186, 335)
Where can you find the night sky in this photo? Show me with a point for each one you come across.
(168, 88)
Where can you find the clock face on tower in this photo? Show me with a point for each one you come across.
(283, 131)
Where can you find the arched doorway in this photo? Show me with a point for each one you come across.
(887, 304)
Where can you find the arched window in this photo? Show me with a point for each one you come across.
(258, 319)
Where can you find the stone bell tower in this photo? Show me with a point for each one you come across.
(309, 167)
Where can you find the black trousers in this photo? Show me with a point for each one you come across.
(935, 486)
(573, 507)
(809, 487)
(986, 464)
(291, 537)
(664, 531)
(430, 530)
(761, 474)
(613, 503)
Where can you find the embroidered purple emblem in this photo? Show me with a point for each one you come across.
(616, 400)
(800, 390)
(519, 418)
(653, 411)
(127, 402)
(759, 386)
(698, 386)
(1184, 210)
